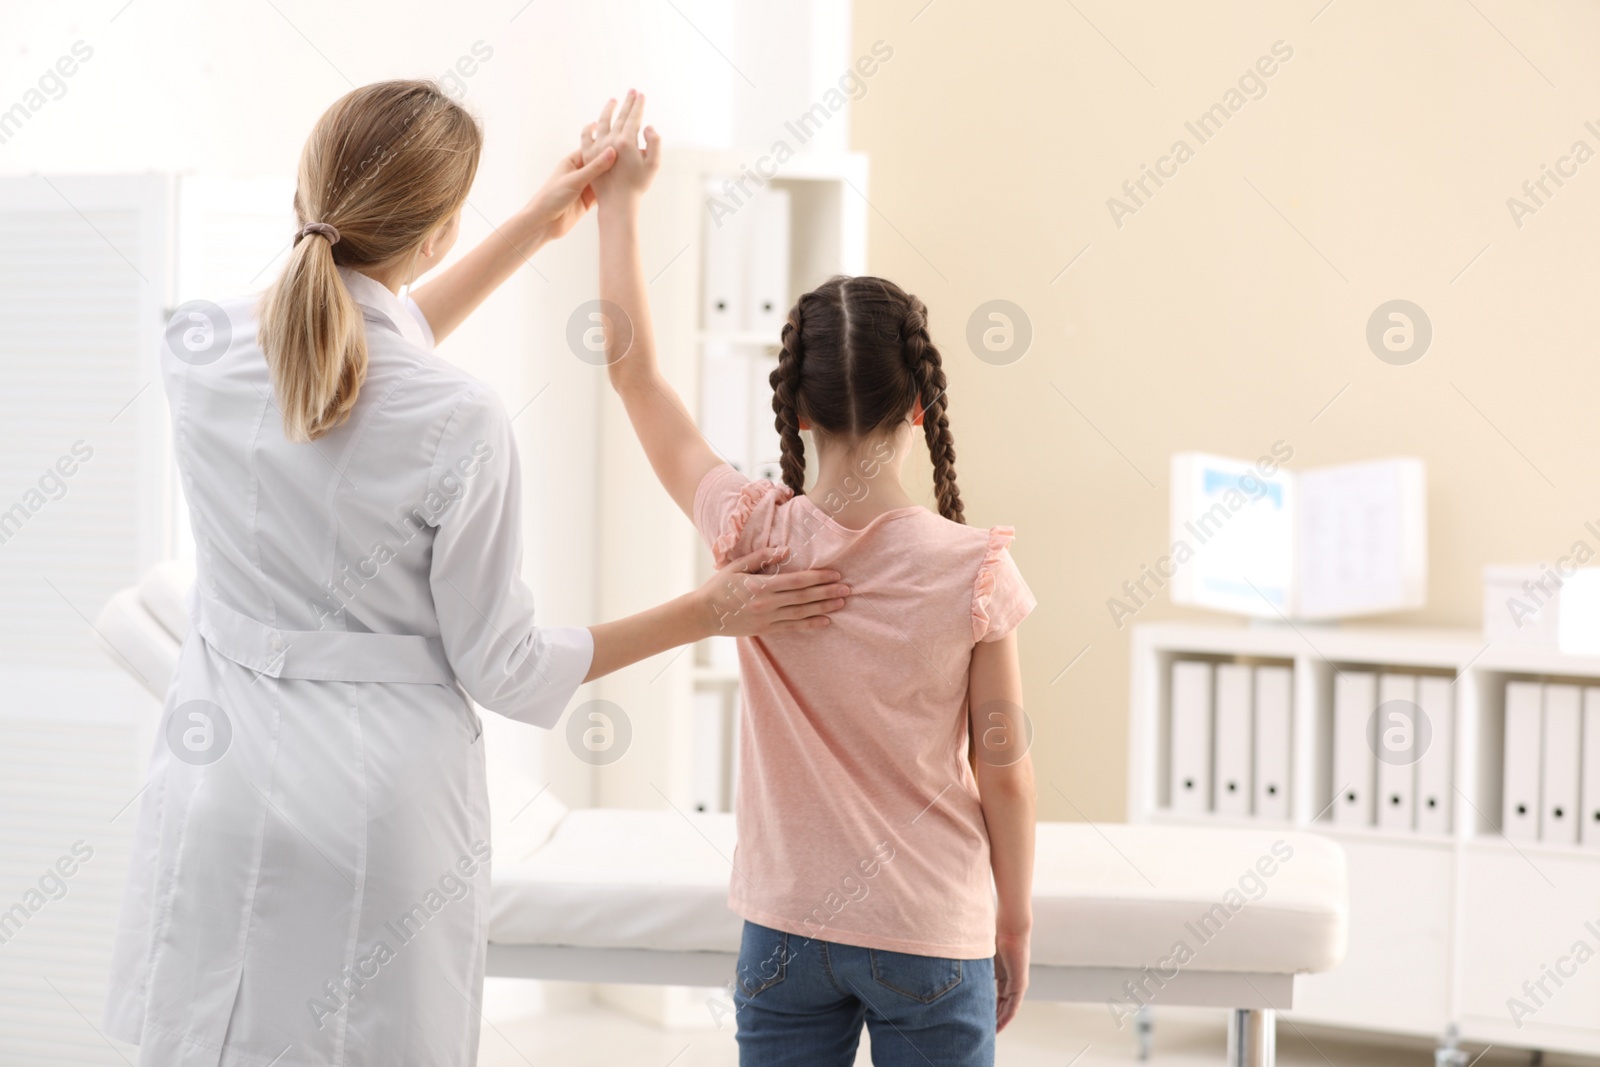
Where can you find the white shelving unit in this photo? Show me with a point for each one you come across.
(651, 551)
(1444, 928)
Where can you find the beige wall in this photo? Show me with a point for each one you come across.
(1228, 311)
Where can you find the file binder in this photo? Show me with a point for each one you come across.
(766, 447)
(1436, 768)
(722, 652)
(1558, 789)
(1355, 697)
(1191, 737)
(1519, 818)
(1274, 686)
(710, 736)
(1235, 745)
(725, 404)
(767, 292)
(1590, 833)
(723, 272)
(735, 715)
(1397, 732)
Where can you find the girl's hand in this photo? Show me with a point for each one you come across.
(1010, 976)
(739, 601)
(618, 131)
(568, 193)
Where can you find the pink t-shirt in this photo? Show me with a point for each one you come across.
(859, 820)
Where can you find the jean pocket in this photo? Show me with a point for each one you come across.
(763, 959)
(922, 978)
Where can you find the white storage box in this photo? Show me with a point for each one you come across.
(1521, 606)
(1542, 607)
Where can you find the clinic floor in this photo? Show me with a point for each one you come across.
(1057, 1035)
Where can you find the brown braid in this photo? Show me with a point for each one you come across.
(868, 361)
(923, 358)
(785, 381)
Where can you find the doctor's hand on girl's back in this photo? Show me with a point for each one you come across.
(738, 601)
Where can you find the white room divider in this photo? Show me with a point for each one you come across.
(85, 506)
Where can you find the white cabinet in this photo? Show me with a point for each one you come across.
(1396, 972)
(1448, 919)
(1532, 954)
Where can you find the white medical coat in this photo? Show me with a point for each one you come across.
(309, 882)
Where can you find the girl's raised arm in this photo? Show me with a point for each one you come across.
(677, 452)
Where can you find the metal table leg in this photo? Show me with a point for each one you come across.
(1144, 1025)
(1252, 1037)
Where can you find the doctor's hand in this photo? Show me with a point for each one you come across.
(568, 193)
(740, 601)
(618, 131)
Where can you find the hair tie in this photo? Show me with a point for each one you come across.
(323, 229)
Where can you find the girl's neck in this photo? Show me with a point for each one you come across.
(857, 482)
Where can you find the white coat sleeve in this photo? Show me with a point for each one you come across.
(415, 310)
(504, 660)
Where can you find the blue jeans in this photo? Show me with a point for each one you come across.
(801, 1002)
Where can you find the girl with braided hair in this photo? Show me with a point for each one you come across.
(885, 797)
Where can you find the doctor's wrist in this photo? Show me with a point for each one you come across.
(527, 231)
(697, 612)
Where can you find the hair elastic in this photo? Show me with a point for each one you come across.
(323, 229)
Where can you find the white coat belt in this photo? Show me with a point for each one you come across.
(322, 655)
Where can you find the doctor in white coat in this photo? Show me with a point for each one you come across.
(310, 876)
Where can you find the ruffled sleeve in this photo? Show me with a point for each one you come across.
(734, 514)
(1000, 598)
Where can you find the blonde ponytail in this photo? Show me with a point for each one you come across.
(385, 167)
(312, 332)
